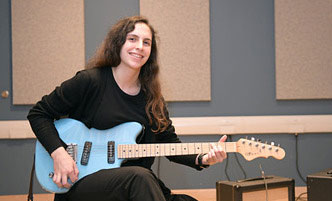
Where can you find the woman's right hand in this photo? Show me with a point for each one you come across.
(64, 167)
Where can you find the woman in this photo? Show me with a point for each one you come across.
(120, 85)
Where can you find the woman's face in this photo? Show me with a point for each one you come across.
(137, 48)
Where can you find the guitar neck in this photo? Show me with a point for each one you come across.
(170, 149)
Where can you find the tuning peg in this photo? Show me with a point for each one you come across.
(272, 143)
(277, 149)
(257, 142)
(252, 138)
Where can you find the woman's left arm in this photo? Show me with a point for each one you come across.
(215, 155)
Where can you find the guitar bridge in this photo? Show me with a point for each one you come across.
(72, 150)
(110, 152)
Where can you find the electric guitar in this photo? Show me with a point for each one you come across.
(93, 149)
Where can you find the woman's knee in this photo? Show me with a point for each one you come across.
(139, 172)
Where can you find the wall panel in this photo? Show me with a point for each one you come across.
(303, 34)
(184, 47)
(47, 46)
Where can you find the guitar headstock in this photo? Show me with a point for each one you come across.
(251, 149)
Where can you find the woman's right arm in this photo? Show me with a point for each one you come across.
(59, 102)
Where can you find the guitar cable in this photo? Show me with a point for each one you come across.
(297, 158)
(32, 175)
(298, 169)
(225, 170)
(229, 138)
(299, 198)
(263, 176)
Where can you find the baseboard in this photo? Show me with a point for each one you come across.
(200, 194)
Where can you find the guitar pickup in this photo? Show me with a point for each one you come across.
(72, 151)
(110, 152)
(86, 153)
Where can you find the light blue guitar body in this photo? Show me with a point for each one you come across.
(73, 131)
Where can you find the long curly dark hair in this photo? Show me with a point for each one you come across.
(108, 54)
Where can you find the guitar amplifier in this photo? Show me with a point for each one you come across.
(319, 186)
(272, 188)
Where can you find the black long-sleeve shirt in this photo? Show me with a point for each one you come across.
(94, 98)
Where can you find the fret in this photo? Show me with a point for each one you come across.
(162, 150)
(206, 147)
(123, 152)
(230, 147)
(139, 148)
(167, 149)
(126, 151)
(133, 151)
(120, 151)
(191, 148)
(178, 149)
(129, 150)
(149, 150)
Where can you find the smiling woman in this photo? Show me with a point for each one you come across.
(120, 85)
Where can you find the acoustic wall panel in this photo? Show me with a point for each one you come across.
(303, 39)
(184, 47)
(47, 45)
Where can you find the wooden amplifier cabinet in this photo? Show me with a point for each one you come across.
(278, 189)
(319, 186)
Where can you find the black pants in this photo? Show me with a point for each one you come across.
(130, 183)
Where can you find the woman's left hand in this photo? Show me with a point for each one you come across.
(216, 153)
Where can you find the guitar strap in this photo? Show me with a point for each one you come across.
(32, 174)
